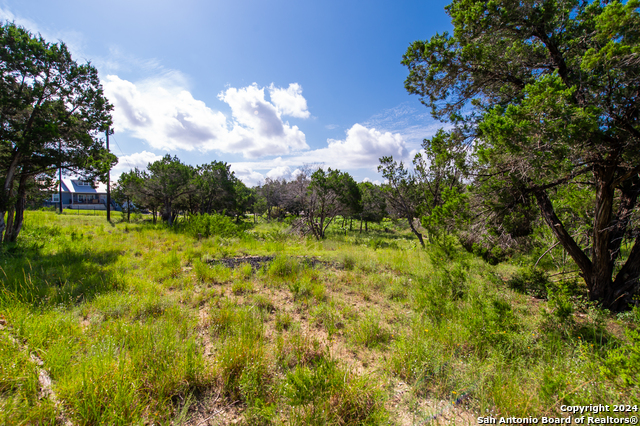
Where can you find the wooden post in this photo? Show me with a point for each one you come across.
(108, 185)
(60, 178)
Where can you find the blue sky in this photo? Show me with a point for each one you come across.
(266, 86)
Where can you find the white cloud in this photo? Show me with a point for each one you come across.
(162, 112)
(362, 148)
(375, 182)
(247, 175)
(289, 101)
(282, 172)
(258, 129)
(138, 160)
(412, 122)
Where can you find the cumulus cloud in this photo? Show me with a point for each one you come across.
(375, 182)
(162, 112)
(138, 160)
(412, 122)
(282, 172)
(247, 175)
(289, 101)
(362, 148)
(258, 129)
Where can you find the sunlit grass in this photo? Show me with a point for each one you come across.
(132, 321)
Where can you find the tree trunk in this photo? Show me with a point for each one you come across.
(16, 226)
(569, 244)
(626, 283)
(7, 190)
(361, 226)
(9, 225)
(600, 281)
(613, 294)
(415, 231)
(168, 214)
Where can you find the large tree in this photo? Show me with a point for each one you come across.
(215, 187)
(52, 111)
(327, 196)
(549, 93)
(164, 183)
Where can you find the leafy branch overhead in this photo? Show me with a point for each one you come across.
(52, 112)
(547, 93)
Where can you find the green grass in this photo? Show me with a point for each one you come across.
(136, 324)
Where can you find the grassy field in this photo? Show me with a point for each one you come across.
(130, 323)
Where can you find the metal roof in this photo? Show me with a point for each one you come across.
(73, 186)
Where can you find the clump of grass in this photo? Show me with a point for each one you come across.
(328, 395)
(284, 267)
(397, 291)
(242, 366)
(326, 315)
(532, 281)
(170, 266)
(231, 320)
(242, 369)
(306, 289)
(283, 321)
(369, 332)
(263, 303)
(348, 262)
(244, 271)
(297, 348)
(216, 274)
(242, 287)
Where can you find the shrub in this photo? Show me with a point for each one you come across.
(205, 225)
(284, 267)
(532, 281)
(623, 364)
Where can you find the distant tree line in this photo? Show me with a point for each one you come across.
(315, 196)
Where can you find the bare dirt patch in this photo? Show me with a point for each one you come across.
(258, 262)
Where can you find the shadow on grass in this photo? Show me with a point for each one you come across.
(27, 276)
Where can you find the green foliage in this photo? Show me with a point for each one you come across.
(326, 395)
(543, 114)
(532, 281)
(205, 226)
(623, 364)
(283, 321)
(284, 267)
(369, 332)
(52, 112)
